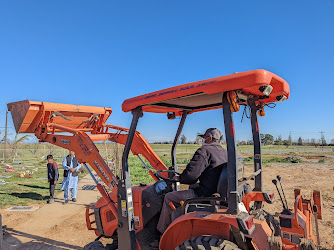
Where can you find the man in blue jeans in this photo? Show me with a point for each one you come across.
(71, 177)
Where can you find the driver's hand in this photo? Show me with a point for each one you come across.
(176, 178)
(160, 186)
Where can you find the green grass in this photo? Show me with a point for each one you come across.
(268, 159)
(23, 191)
(139, 173)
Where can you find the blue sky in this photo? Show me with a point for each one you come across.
(100, 53)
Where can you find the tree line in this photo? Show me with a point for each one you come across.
(266, 139)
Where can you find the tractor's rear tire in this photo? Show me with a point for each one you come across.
(95, 245)
(207, 243)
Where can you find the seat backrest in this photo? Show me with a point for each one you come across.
(223, 182)
(223, 179)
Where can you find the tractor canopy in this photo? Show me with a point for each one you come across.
(207, 94)
(28, 115)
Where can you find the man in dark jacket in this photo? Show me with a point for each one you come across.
(53, 176)
(205, 167)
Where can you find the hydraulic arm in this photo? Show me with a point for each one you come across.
(83, 125)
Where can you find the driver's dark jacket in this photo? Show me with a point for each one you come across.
(205, 166)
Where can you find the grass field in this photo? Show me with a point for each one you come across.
(20, 191)
(23, 191)
(307, 168)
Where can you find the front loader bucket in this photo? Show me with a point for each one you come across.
(28, 115)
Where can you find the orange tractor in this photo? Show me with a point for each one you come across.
(129, 214)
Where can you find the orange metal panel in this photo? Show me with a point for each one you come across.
(248, 81)
(317, 201)
(27, 115)
(205, 223)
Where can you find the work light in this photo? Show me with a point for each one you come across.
(266, 89)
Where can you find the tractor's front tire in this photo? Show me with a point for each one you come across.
(207, 243)
(95, 245)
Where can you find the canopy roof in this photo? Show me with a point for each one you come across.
(207, 94)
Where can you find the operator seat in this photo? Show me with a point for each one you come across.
(208, 204)
(201, 203)
(223, 179)
(211, 204)
(223, 182)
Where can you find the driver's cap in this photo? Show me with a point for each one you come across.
(215, 133)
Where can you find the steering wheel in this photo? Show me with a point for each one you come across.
(166, 171)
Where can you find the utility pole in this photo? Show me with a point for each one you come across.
(322, 139)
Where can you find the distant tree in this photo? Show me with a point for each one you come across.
(286, 143)
(267, 139)
(34, 149)
(306, 141)
(117, 151)
(290, 139)
(222, 140)
(242, 143)
(14, 145)
(51, 148)
(300, 141)
(198, 139)
(278, 140)
(250, 142)
(313, 142)
(332, 142)
(183, 139)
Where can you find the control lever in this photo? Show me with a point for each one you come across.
(279, 179)
(279, 193)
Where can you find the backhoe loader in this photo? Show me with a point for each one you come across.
(129, 214)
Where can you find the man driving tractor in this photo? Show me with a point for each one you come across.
(205, 166)
(129, 214)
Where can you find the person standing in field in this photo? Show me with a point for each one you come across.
(71, 177)
(53, 176)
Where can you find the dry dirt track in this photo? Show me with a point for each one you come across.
(63, 227)
(54, 226)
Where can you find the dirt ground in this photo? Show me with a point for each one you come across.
(60, 226)
(307, 176)
(53, 226)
